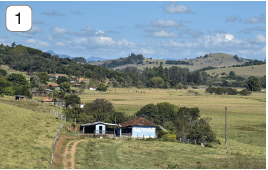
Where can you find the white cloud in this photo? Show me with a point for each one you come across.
(173, 8)
(35, 29)
(37, 43)
(163, 23)
(229, 37)
(125, 43)
(260, 39)
(176, 44)
(80, 40)
(254, 20)
(234, 18)
(57, 30)
(164, 34)
(99, 32)
(60, 44)
(103, 41)
(52, 13)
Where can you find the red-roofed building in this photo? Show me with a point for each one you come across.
(52, 85)
(139, 127)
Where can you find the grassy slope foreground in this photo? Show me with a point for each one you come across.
(139, 154)
(26, 137)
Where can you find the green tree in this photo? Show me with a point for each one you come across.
(210, 90)
(156, 82)
(3, 72)
(263, 81)
(201, 131)
(101, 87)
(44, 78)
(61, 79)
(253, 83)
(99, 109)
(75, 112)
(71, 100)
(88, 74)
(4, 83)
(232, 73)
(8, 91)
(65, 86)
(17, 79)
(245, 92)
(120, 117)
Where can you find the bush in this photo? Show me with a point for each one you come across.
(210, 90)
(245, 92)
(169, 137)
(218, 91)
(2, 95)
(184, 87)
(231, 91)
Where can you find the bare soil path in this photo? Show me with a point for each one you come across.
(70, 153)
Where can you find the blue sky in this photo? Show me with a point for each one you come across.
(160, 29)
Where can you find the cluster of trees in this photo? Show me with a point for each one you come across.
(229, 91)
(131, 59)
(250, 63)
(178, 62)
(98, 110)
(182, 121)
(237, 58)
(80, 59)
(14, 84)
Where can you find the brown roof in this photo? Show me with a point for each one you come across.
(47, 100)
(139, 121)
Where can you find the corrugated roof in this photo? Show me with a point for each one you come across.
(139, 121)
(88, 124)
(52, 85)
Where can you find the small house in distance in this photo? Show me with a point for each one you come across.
(139, 127)
(92, 88)
(97, 128)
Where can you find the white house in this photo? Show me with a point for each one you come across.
(92, 88)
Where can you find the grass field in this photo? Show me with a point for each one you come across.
(257, 71)
(246, 129)
(26, 136)
(139, 154)
(130, 101)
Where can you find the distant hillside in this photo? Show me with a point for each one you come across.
(92, 59)
(131, 61)
(60, 55)
(213, 59)
(255, 70)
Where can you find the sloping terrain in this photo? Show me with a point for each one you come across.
(26, 137)
(255, 70)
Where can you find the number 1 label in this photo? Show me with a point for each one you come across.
(19, 18)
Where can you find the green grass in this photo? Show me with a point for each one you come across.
(246, 128)
(257, 71)
(26, 137)
(69, 156)
(139, 154)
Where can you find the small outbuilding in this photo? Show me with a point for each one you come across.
(97, 128)
(139, 127)
(19, 97)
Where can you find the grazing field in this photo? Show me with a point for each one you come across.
(130, 101)
(246, 130)
(139, 154)
(26, 135)
(255, 70)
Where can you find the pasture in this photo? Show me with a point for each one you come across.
(246, 130)
(255, 70)
(26, 136)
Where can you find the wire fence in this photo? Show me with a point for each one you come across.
(56, 137)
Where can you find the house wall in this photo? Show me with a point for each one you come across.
(98, 127)
(143, 131)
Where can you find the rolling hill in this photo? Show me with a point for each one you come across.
(213, 59)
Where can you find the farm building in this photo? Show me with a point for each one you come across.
(92, 88)
(139, 127)
(53, 85)
(19, 97)
(97, 128)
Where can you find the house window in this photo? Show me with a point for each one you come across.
(138, 129)
(149, 129)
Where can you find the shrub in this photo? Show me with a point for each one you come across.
(245, 92)
(231, 91)
(169, 137)
(2, 95)
(218, 91)
(210, 90)
(184, 87)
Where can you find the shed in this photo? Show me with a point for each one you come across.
(19, 97)
(139, 127)
(97, 128)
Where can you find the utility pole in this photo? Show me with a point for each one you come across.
(226, 127)
(75, 126)
(114, 126)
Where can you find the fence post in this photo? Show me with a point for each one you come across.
(180, 139)
(253, 150)
(143, 137)
(195, 141)
(137, 136)
(188, 141)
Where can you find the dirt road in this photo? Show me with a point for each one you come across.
(70, 163)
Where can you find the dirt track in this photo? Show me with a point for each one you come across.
(72, 153)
